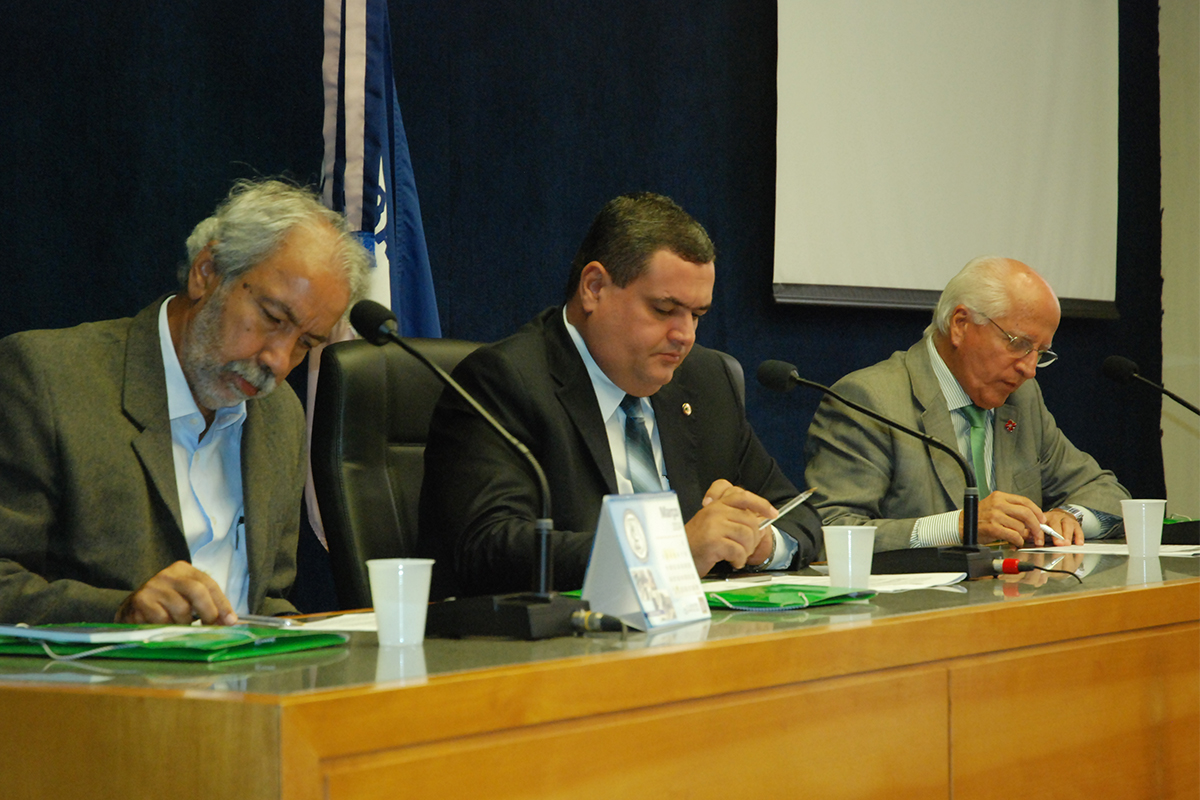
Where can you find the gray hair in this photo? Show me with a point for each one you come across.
(256, 217)
(982, 286)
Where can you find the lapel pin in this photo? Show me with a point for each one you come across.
(1010, 426)
(687, 409)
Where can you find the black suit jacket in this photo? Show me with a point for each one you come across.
(479, 499)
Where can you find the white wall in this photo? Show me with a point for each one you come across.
(1179, 65)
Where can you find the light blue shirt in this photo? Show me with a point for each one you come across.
(957, 399)
(609, 397)
(208, 477)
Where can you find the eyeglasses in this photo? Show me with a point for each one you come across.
(1021, 347)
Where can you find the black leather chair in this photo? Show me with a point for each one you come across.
(734, 368)
(370, 425)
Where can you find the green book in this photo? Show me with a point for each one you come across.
(159, 642)
(783, 597)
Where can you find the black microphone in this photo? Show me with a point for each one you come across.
(1122, 370)
(1119, 369)
(594, 621)
(968, 557)
(374, 322)
(778, 376)
(540, 614)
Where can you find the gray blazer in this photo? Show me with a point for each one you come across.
(863, 470)
(89, 508)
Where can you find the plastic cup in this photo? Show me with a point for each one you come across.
(403, 663)
(400, 594)
(848, 549)
(1143, 570)
(1143, 526)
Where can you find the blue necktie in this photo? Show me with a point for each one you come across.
(643, 473)
(978, 419)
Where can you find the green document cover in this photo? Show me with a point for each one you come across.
(210, 643)
(783, 597)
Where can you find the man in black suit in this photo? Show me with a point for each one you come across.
(566, 385)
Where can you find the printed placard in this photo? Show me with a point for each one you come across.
(641, 568)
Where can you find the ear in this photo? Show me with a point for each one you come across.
(202, 275)
(960, 318)
(593, 280)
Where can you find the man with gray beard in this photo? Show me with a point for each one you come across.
(151, 468)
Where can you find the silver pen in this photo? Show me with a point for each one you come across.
(786, 507)
(267, 622)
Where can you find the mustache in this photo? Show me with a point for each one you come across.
(258, 376)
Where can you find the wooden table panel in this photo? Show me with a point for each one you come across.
(74, 744)
(1117, 716)
(850, 737)
(851, 701)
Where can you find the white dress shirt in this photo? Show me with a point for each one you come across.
(208, 476)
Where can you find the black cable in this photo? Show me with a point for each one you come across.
(1061, 571)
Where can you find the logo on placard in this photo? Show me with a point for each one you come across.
(635, 535)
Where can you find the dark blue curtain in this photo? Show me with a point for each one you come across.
(124, 123)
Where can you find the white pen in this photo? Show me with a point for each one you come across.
(786, 507)
(1047, 529)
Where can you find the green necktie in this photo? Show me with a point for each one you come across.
(978, 419)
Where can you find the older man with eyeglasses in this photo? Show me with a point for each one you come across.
(968, 381)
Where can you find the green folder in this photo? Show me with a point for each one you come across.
(209, 644)
(783, 597)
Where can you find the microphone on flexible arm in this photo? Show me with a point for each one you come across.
(968, 557)
(538, 614)
(1122, 370)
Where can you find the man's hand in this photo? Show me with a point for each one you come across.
(1010, 518)
(1066, 525)
(726, 528)
(178, 594)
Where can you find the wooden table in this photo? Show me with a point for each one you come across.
(1008, 689)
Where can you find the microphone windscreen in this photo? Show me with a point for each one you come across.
(777, 375)
(1119, 369)
(371, 320)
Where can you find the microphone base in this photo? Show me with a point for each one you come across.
(975, 561)
(512, 616)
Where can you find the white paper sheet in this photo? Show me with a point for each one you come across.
(362, 621)
(1121, 549)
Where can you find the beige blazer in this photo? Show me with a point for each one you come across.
(89, 508)
(865, 471)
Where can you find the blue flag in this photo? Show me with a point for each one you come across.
(367, 173)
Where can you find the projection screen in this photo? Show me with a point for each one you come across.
(914, 135)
